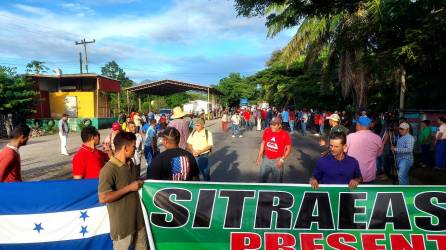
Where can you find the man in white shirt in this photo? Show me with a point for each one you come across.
(63, 134)
(236, 119)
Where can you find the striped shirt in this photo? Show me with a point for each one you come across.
(404, 147)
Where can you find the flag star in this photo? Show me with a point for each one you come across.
(38, 227)
(84, 215)
(83, 231)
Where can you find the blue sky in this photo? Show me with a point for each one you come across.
(198, 41)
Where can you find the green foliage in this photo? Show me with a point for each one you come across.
(293, 86)
(365, 45)
(36, 67)
(112, 70)
(177, 99)
(16, 93)
(235, 87)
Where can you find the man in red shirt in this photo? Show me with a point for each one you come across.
(10, 168)
(274, 149)
(263, 115)
(88, 161)
(247, 117)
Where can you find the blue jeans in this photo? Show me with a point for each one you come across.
(440, 154)
(248, 125)
(321, 130)
(291, 126)
(379, 164)
(149, 154)
(203, 165)
(304, 128)
(236, 129)
(269, 167)
(404, 166)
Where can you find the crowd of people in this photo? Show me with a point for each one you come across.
(356, 150)
(382, 144)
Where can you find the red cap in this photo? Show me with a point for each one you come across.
(116, 126)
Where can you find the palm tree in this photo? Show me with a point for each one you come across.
(341, 38)
(36, 67)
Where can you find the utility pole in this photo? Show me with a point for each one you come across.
(80, 61)
(83, 42)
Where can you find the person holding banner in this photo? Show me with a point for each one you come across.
(118, 187)
(174, 163)
(337, 167)
(274, 149)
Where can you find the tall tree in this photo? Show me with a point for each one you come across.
(114, 71)
(36, 67)
(17, 96)
(235, 87)
(368, 42)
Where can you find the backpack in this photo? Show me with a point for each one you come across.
(207, 137)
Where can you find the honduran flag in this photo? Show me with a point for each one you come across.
(53, 215)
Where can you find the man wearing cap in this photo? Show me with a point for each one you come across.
(335, 123)
(181, 125)
(274, 150)
(200, 144)
(109, 146)
(174, 164)
(404, 153)
(365, 146)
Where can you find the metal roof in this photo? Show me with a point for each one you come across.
(89, 75)
(168, 87)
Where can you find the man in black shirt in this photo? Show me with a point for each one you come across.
(174, 163)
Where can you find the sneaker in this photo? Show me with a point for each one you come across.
(240, 136)
(66, 154)
(233, 136)
(423, 165)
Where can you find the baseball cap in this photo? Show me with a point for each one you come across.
(276, 120)
(334, 117)
(404, 125)
(116, 126)
(364, 121)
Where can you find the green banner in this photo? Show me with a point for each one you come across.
(239, 216)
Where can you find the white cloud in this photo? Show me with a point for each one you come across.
(32, 9)
(49, 36)
(79, 9)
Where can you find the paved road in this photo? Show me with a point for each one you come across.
(232, 160)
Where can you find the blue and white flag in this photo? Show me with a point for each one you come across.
(53, 215)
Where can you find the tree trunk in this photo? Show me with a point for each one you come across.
(403, 88)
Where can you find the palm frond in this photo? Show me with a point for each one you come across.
(310, 31)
